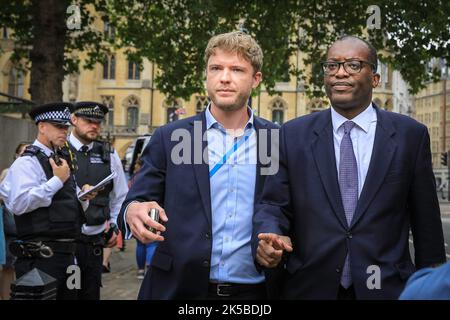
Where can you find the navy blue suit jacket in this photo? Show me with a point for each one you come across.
(303, 201)
(181, 264)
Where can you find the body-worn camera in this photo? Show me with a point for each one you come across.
(153, 214)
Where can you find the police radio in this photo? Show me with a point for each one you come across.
(66, 153)
(55, 155)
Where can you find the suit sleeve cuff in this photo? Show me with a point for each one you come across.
(128, 234)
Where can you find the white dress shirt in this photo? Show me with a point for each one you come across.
(362, 135)
(118, 193)
(26, 187)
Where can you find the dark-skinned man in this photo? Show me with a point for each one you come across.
(337, 215)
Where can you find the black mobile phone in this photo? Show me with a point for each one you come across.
(153, 214)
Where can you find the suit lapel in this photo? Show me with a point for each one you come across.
(383, 151)
(202, 170)
(324, 156)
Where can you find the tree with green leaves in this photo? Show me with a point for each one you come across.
(174, 34)
(46, 33)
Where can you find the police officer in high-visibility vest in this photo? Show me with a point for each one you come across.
(41, 191)
(96, 160)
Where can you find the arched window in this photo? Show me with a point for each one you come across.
(201, 103)
(173, 110)
(109, 68)
(278, 106)
(132, 116)
(315, 105)
(134, 72)
(132, 107)
(172, 114)
(109, 102)
(15, 83)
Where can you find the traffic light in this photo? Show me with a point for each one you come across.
(444, 158)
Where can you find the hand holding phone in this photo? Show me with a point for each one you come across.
(154, 215)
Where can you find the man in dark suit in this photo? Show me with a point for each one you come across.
(205, 186)
(353, 181)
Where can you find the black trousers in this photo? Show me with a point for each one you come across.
(90, 259)
(56, 266)
(346, 294)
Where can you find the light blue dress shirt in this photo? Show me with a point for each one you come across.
(232, 190)
(363, 137)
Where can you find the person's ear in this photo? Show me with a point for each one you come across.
(257, 78)
(41, 126)
(375, 80)
(73, 119)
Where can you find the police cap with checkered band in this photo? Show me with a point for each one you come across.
(93, 111)
(56, 112)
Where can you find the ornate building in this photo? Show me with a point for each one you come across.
(137, 107)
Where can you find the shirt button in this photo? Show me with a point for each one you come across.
(338, 270)
(226, 239)
(222, 263)
(208, 235)
(349, 235)
(205, 263)
(230, 215)
(231, 190)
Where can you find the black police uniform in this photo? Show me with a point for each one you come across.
(93, 166)
(56, 226)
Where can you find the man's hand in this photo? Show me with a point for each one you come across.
(89, 196)
(62, 171)
(113, 240)
(137, 218)
(270, 249)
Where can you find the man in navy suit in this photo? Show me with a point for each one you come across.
(204, 174)
(353, 181)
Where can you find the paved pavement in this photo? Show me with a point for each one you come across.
(122, 283)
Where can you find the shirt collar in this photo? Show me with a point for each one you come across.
(48, 152)
(211, 121)
(77, 143)
(362, 120)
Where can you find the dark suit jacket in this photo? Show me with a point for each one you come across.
(303, 201)
(181, 264)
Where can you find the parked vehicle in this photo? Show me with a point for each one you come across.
(133, 151)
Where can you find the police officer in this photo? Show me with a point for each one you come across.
(41, 191)
(96, 160)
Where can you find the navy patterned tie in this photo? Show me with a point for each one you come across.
(348, 183)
